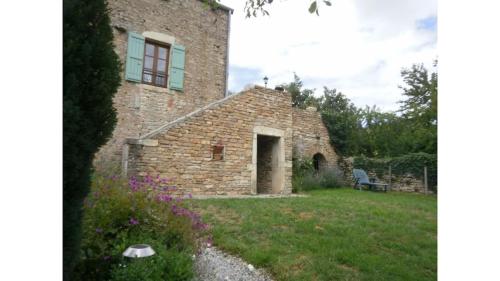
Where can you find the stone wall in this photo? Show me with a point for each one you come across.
(405, 183)
(310, 136)
(204, 33)
(183, 149)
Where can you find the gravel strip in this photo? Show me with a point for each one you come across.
(214, 265)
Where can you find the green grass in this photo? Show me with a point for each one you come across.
(339, 234)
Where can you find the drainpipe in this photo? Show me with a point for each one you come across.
(227, 51)
(125, 149)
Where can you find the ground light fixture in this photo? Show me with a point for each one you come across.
(139, 251)
(265, 81)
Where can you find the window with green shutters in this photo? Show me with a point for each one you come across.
(148, 60)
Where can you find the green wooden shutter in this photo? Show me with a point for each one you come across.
(177, 68)
(135, 56)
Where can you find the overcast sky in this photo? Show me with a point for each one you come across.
(355, 46)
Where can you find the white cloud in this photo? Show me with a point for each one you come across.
(356, 46)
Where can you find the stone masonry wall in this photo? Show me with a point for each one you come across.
(404, 183)
(310, 136)
(204, 33)
(184, 151)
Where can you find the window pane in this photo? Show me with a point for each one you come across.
(162, 53)
(148, 63)
(160, 80)
(161, 65)
(147, 77)
(150, 49)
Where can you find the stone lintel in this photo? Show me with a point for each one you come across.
(261, 130)
(165, 38)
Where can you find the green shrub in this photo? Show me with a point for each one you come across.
(305, 177)
(301, 166)
(309, 182)
(118, 214)
(331, 178)
(166, 264)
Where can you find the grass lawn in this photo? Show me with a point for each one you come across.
(340, 234)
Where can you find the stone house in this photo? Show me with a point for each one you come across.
(175, 118)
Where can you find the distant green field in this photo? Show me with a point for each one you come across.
(337, 234)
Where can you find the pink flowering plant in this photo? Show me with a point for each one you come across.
(121, 212)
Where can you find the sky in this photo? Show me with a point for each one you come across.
(356, 46)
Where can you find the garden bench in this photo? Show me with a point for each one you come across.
(361, 178)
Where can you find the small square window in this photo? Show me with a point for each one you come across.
(154, 71)
(218, 152)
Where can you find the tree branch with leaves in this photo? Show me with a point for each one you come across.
(254, 8)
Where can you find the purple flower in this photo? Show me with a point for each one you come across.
(134, 184)
(148, 179)
(98, 230)
(164, 197)
(133, 221)
(106, 258)
(175, 210)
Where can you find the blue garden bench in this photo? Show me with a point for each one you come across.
(361, 179)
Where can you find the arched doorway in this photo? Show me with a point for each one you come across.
(319, 162)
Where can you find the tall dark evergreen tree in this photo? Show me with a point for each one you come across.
(91, 78)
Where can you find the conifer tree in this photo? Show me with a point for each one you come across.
(91, 77)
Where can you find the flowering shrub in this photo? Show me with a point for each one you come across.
(119, 213)
(305, 178)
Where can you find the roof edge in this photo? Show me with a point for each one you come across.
(221, 6)
(200, 110)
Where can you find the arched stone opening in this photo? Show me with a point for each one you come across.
(319, 162)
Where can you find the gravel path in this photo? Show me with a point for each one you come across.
(215, 265)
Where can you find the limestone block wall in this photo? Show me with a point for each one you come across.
(203, 31)
(404, 183)
(310, 136)
(184, 149)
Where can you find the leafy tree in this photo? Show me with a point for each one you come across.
(342, 119)
(301, 98)
(371, 132)
(420, 93)
(91, 77)
(420, 107)
(382, 134)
